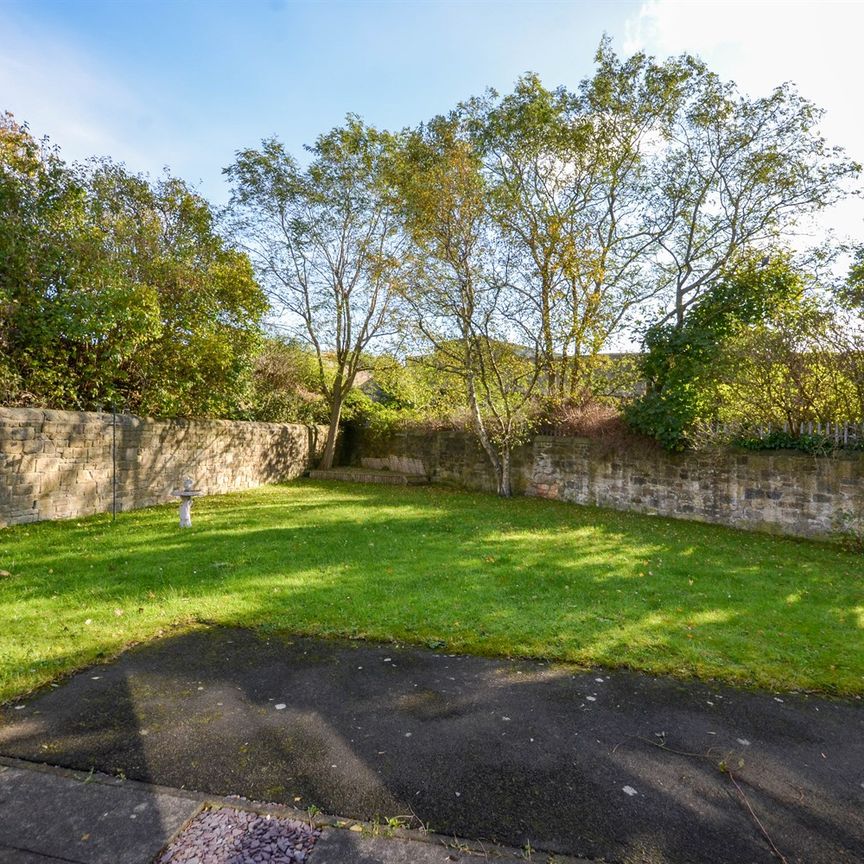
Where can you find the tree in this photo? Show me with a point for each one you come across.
(461, 307)
(39, 201)
(736, 174)
(168, 257)
(326, 244)
(568, 184)
(784, 371)
(845, 336)
(850, 291)
(783, 355)
(117, 289)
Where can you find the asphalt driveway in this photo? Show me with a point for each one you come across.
(602, 764)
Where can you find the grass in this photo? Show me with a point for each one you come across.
(442, 568)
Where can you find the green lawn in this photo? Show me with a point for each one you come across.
(429, 566)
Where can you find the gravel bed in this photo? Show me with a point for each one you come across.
(228, 836)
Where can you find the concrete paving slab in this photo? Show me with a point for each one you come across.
(46, 816)
(337, 846)
(594, 764)
(16, 856)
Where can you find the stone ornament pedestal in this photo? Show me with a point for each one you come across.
(186, 495)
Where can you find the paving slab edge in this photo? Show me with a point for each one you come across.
(369, 830)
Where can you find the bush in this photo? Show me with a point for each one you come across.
(684, 362)
(115, 288)
(598, 421)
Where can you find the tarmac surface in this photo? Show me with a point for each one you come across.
(600, 764)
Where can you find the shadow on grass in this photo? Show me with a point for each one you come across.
(430, 566)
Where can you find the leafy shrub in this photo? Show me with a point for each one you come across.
(683, 363)
(116, 288)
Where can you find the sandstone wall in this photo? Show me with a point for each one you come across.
(780, 491)
(58, 464)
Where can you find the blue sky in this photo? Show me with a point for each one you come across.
(185, 84)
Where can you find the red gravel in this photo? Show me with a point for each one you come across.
(228, 836)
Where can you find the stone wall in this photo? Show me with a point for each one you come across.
(780, 491)
(58, 464)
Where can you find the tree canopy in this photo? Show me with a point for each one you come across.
(117, 289)
(326, 243)
(505, 245)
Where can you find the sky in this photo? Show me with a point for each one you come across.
(187, 84)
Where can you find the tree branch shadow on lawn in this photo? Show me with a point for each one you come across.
(588, 600)
(422, 574)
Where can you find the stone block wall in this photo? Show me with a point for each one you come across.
(401, 465)
(60, 464)
(780, 491)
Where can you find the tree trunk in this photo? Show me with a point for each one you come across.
(332, 431)
(485, 443)
(505, 485)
